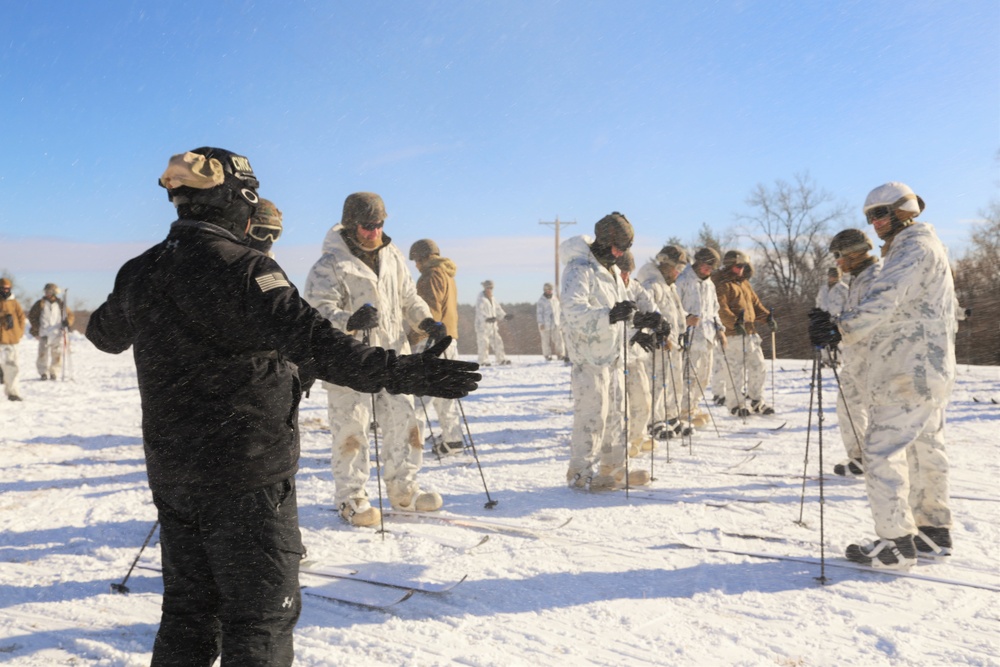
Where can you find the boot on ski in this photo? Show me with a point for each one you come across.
(885, 554)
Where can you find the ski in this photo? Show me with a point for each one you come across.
(333, 572)
(358, 593)
(458, 545)
(470, 522)
(839, 562)
(674, 496)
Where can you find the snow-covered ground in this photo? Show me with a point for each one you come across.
(614, 586)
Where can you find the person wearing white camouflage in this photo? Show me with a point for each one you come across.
(594, 306)
(547, 313)
(851, 249)
(641, 348)
(907, 324)
(739, 311)
(832, 296)
(659, 277)
(489, 312)
(701, 304)
(363, 286)
(48, 318)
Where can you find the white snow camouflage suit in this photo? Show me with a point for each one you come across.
(833, 299)
(852, 400)
(594, 345)
(699, 298)
(906, 326)
(338, 284)
(638, 383)
(666, 404)
(549, 317)
(488, 333)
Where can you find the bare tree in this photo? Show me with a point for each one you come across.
(977, 283)
(788, 227)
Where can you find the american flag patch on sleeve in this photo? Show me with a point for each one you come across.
(270, 281)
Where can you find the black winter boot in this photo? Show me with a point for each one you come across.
(889, 554)
(933, 542)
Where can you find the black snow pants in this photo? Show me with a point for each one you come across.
(230, 577)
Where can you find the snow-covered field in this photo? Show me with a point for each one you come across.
(615, 586)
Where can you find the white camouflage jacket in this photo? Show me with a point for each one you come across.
(699, 298)
(547, 312)
(906, 323)
(485, 309)
(339, 283)
(668, 301)
(589, 291)
(832, 299)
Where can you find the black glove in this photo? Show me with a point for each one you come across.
(621, 311)
(364, 318)
(968, 312)
(508, 317)
(7, 322)
(682, 340)
(647, 320)
(771, 323)
(822, 331)
(646, 341)
(739, 327)
(491, 320)
(435, 330)
(662, 332)
(425, 374)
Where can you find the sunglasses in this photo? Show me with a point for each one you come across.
(371, 226)
(265, 233)
(878, 213)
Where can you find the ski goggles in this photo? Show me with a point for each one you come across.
(877, 213)
(371, 226)
(264, 232)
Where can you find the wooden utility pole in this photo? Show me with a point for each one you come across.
(557, 224)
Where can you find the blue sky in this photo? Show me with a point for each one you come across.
(477, 120)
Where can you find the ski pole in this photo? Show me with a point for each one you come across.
(822, 503)
(677, 403)
(729, 371)
(805, 462)
(774, 355)
(490, 503)
(652, 414)
(625, 391)
(744, 383)
(122, 588)
(840, 392)
(378, 459)
(708, 407)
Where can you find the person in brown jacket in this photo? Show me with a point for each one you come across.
(436, 286)
(739, 311)
(11, 330)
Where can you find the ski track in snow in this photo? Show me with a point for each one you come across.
(612, 587)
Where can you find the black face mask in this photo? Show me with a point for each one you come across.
(4, 293)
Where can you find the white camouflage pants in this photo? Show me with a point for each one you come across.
(49, 356)
(666, 400)
(598, 407)
(487, 338)
(700, 356)
(906, 469)
(8, 365)
(720, 375)
(639, 395)
(447, 408)
(552, 342)
(400, 441)
(745, 355)
(852, 410)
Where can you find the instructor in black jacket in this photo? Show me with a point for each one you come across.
(220, 338)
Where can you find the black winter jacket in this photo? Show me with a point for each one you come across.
(218, 333)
